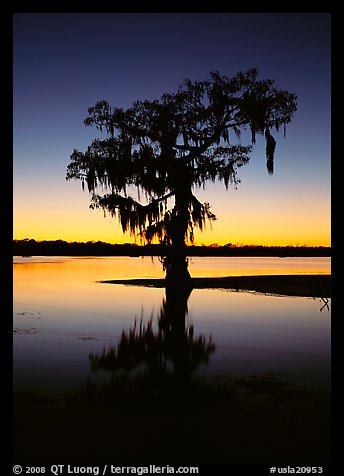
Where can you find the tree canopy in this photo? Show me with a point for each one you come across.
(169, 147)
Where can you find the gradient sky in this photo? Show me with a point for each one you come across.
(64, 62)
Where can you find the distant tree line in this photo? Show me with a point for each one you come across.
(30, 247)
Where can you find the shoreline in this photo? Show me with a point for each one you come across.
(305, 285)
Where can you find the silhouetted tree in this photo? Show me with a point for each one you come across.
(167, 148)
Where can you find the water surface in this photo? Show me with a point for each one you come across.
(62, 313)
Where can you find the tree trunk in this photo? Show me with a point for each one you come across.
(177, 273)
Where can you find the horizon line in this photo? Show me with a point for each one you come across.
(212, 245)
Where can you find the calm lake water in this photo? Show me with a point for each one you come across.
(62, 314)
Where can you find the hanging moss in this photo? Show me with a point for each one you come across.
(270, 151)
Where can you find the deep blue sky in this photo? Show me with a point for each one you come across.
(64, 63)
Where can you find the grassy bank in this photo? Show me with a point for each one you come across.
(309, 285)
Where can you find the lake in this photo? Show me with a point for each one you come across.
(62, 313)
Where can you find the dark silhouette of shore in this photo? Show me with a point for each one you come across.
(30, 247)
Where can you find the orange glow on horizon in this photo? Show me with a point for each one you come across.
(269, 215)
(239, 223)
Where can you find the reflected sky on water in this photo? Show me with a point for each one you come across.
(61, 314)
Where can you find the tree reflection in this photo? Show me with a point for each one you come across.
(153, 358)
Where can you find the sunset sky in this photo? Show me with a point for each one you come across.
(63, 63)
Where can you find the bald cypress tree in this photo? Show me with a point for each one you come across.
(168, 148)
